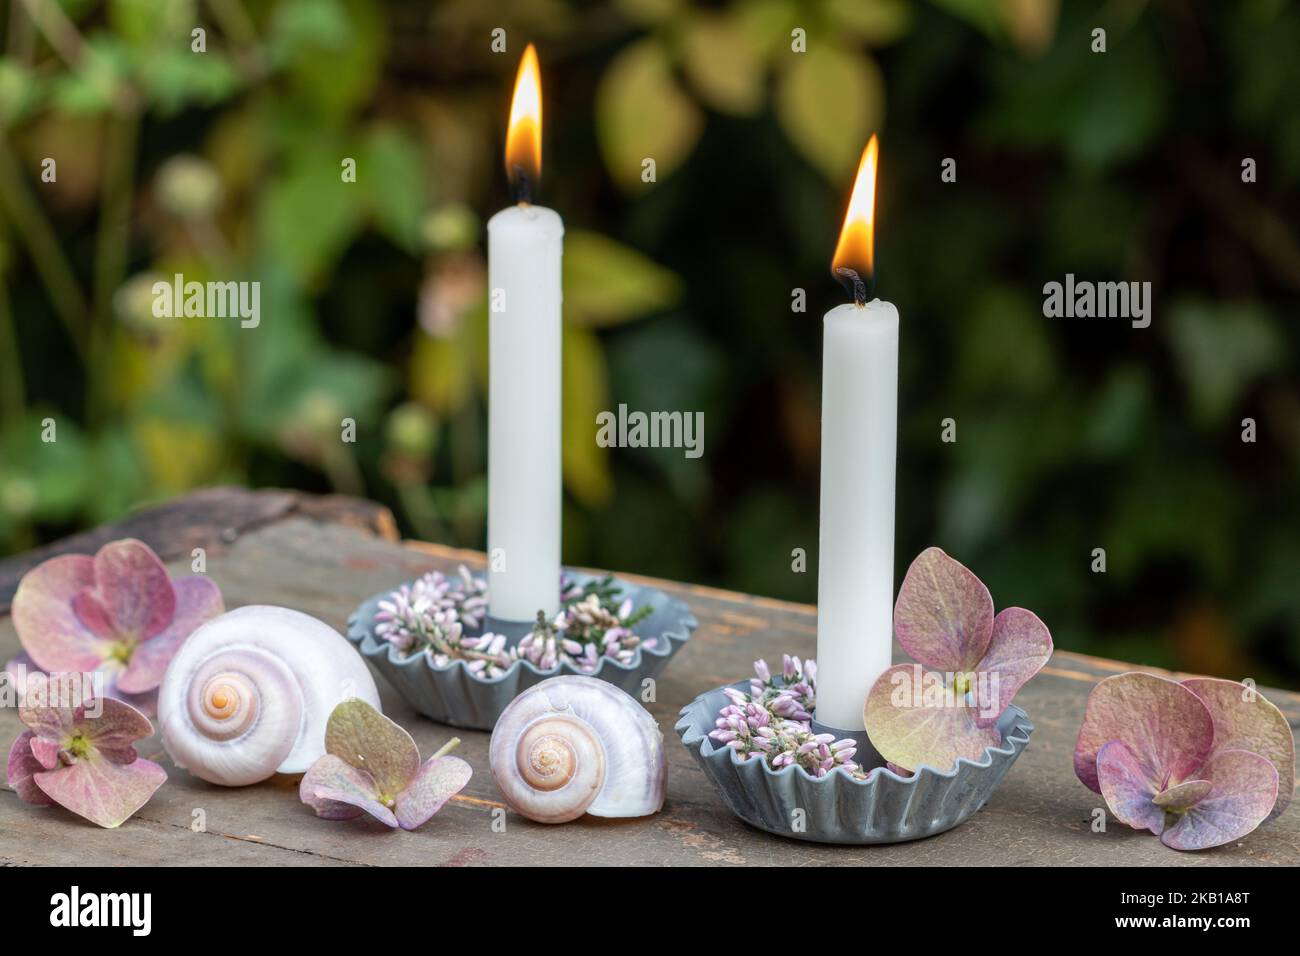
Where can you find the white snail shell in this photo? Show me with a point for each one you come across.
(249, 693)
(573, 745)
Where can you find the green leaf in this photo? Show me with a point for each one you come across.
(1221, 351)
(724, 64)
(829, 101)
(607, 283)
(175, 78)
(648, 12)
(879, 22)
(1006, 345)
(767, 24)
(586, 394)
(42, 480)
(92, 87)
(309, 214)
(390, 169)
(20, 92)
(333, 51)
(642, 113)
(149, 24)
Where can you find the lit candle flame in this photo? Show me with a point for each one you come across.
(524, 135)
(854, 263)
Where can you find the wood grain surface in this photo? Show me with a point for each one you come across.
(324, 556)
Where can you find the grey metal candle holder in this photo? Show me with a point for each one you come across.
(453, 695)
(838, 808)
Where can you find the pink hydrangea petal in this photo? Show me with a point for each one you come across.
(944, 614)
(92, 613)
(440, 779)
(1178, 798)
(1244, 791)
(1245, 720)
(1020, 646)
(45, 752)
(48, 627)
(198, 599)
(366, 739)
(21, 769)
(134, 588)
(338, 791)
(910, 731)
(114, 732)
(103, 792)
(49, 705)
(1128, 789)
(1164, 725)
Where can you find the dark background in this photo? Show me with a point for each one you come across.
(1072, 434)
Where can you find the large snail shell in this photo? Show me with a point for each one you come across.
(573, 745)
(249, 694)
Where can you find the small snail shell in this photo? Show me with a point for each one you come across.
(573, 745)
(249, 693)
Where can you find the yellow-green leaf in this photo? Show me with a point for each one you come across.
(606, 282)
(724, 64)
(586, 393)
(441, 373)
(642, 113)
(648, 12)
(829, 101)
(879, 22)
(767, 24)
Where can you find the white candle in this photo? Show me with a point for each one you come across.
(855, 583)
(855, 572)
(525, 243)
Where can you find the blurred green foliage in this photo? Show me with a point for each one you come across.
(1072, 435)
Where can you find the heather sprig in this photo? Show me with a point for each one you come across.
(431, 615)
(773, 722)
(439, 615)
(606, 590)
(582, 634)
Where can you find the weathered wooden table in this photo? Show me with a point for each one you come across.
(324, 555)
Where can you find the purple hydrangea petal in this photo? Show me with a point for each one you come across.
(440, 779)
(910, 730)
(134, 589)
(22, 768)
(104, 792)
(48, 627)
(366, 739)
(1018, 649)
(197, 600)
(1164, 725)
(114, 732)
(944, 614)
(336, 790)
(1244, 720)
(1128, 789)
(1244, 791)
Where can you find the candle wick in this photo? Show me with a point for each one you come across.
(854, 284)
(522, 186)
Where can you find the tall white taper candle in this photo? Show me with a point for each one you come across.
(525, 244)
(855, 572)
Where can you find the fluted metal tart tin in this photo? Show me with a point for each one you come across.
(452, 695)
(837, 808)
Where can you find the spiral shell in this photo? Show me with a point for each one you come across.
(249, 694)
(573, 745)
